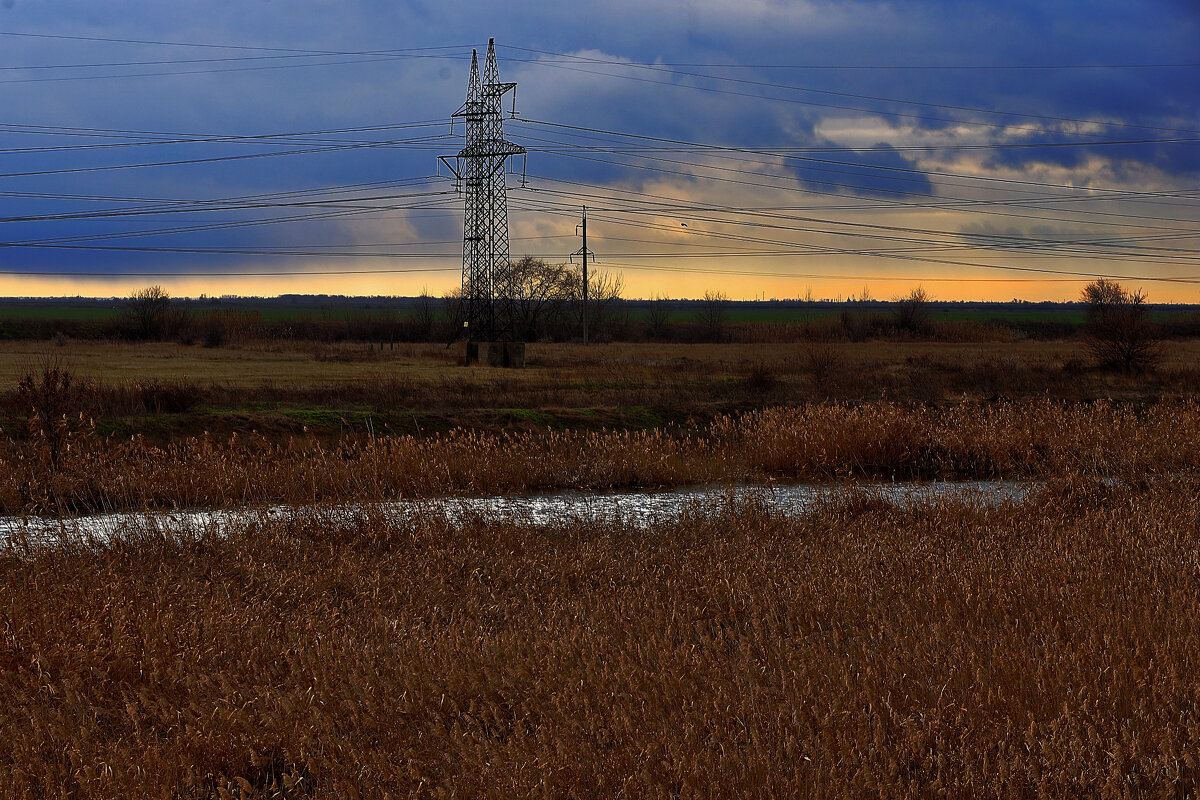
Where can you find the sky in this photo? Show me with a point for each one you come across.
(758, 148)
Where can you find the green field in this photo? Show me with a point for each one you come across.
(26, 311)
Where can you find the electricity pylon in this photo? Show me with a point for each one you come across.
(479, 168)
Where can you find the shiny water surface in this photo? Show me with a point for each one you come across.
(637, 508)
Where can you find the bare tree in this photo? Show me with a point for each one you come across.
(1119, 332)
(713, 311)
(540, 292)
(148, 310)
(604, 289)
(425, 314)
(912, 311)
(454, 311)
(549, 297)
(659, 317)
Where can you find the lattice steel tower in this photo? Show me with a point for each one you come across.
(479, 168)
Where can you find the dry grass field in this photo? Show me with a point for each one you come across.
(1041, 648)
(1046, 649)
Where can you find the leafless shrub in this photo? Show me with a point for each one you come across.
(760, 379)
(50, 396)
(818, 361)
(1119, 332)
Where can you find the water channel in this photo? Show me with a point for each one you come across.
(640, 508)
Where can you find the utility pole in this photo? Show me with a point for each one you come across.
(583, 251)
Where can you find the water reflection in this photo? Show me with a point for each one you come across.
(636, 508)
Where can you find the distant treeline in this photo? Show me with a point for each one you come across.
(150, 316)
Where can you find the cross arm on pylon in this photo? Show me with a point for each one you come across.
(591, 256)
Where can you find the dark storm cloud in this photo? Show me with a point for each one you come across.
(882, 172)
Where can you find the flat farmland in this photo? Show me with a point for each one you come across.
(171, 390)
(548, 363)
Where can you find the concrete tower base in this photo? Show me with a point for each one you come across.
(495, 354)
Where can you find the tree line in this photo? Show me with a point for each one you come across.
(548, 303)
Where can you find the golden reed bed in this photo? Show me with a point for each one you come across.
(1046, 649)
(66, 470)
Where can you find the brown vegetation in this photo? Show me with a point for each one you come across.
(169, 392)
(1043, 648)
(1046, 649)
(817, 442)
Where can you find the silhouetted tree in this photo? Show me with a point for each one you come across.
(1119, 333)
(659, 317)
(912, 311)
(541, 291)
(713, 310)
(604, 289)
(425, 315)
(148, 311)
(454, 312)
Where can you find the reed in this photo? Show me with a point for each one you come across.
(1041, 649)
(809, 443)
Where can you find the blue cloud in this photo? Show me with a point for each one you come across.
(879, 172)
(280, 91)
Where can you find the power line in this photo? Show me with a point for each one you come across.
(667, 64)
(165, 73)
(259, 48)
(238, 274)
(1128, 194)
(975, 265)
(187, 161)
(658, 204)
(783, 151)
(797, 101)
(961, 204)
(663, 68)
(891, 67)
(843, 276)
(219, 60)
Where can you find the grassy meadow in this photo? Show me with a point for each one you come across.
(167, 392)
(1040, 648)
